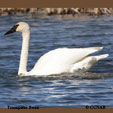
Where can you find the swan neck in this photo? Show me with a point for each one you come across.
(24, 53)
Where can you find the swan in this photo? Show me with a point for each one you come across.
(56, 61)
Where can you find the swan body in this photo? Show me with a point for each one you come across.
(56, 61)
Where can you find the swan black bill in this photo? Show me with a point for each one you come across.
(12, 30)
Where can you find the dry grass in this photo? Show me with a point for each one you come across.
(58, 11)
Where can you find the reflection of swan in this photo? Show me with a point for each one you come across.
(56, 61)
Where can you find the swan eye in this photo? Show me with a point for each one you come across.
(12, 30)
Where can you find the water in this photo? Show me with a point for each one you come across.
(65, 90)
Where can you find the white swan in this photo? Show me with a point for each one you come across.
(56, 61)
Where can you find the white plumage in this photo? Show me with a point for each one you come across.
(57, 61)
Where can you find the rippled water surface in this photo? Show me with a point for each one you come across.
(65, 90)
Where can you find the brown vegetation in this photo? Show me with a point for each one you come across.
(58, 11)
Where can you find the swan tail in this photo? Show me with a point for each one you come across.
(87, 63)
(99, 57)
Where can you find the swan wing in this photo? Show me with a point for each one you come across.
(61, 60)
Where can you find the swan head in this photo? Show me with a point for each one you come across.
(19, 27)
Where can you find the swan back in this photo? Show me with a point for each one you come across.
(61, 60)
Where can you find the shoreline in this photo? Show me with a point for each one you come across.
(58, 11)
